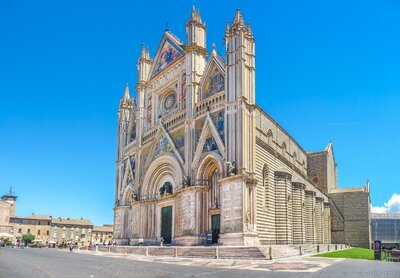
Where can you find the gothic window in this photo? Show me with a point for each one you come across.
(284, 149)
(214, 189)
(168, 102)
(183, 91)
(269, 136)
(149, 109)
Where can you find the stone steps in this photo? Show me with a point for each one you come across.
(226, 252)
(204, 252)
(244, 253)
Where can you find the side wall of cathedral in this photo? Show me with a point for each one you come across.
(289, 208)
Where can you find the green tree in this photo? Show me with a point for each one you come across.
(27, 238)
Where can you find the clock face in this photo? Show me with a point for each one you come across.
(169, 102)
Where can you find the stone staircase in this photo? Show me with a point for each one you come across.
(197, 252)
(241, 253)
(263, 252)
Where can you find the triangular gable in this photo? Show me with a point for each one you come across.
(209, 141)
(213, 80)
(163, 144)
(168, 52)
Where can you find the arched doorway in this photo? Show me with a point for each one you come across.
(210, 172)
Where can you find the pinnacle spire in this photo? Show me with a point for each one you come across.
(126, 94)
(238, 21)
(143, 54)
(195, 16)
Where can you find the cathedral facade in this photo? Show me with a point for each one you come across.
(197, 156)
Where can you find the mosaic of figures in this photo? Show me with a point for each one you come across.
(214, 84)
(218, 120)
(168, 54)
(145, 155)
(178, 137)
(133, 166)
(163, 146)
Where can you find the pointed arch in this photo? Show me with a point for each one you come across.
(210, 171)
(208, 126)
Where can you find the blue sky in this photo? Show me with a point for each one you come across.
(325, 71)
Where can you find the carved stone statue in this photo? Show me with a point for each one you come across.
(186, 181)
(232, 168)
(117, 202)
(162, 190)
(166, 188)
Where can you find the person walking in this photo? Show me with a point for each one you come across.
(70, 247)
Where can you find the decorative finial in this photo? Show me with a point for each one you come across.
(214, 49)
(167, 26)
(11, 192)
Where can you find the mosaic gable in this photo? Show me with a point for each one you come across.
(178, 137)
(218, 120)
(163, 146)
(168, 54)
(133, 166)
(215, 83)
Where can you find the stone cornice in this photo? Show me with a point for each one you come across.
(298, 185)
(242, 177)
(309, 192)
(282, 175)
(196, 48)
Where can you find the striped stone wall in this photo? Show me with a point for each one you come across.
(310, 219)
(299, 216)
(319, 207)
(283, 211)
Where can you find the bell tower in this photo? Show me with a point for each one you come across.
(195, 63)
(240, 93)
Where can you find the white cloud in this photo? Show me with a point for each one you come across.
(392, 206)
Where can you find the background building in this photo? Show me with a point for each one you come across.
(68, 230)
(102, 234)
(386, 228)
(8, 204)
(61, 231)
(37, 225)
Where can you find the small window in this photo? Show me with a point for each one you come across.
(38, 232)
(47, 232)
(29, 231)
(19, 230)
(315, 180)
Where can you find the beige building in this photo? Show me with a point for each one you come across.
(61, 231)
(37, 225)
(102, 234)
(68, 230)
(8, 203)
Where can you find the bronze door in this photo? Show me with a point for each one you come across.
(166, 224)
